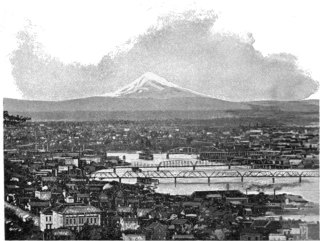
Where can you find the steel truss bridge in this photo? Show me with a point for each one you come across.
(201, 174)
(183, 150)
(184, 163)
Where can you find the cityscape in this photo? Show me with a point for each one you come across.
(160, 120)
(123, 179)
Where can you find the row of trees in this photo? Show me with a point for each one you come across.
(13, 120)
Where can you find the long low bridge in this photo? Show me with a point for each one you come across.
(183, 150)
(201, 174)
(184, 163)
(217, 162)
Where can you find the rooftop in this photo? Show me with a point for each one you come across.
(76, 209)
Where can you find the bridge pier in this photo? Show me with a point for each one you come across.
(114, 170)
(208, 181)
(241, 178)
(119, 180)
(229, 166)
(158, 168)
(194, 167)
(300, 178)
(175, 181)
(273, 180)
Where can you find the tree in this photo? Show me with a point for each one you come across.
(91, 232)
(16, 229)
(189, 140)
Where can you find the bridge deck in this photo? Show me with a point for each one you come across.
(202, 174)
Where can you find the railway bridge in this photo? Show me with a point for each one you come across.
(201, 174)
(176, 163)
(183, 150)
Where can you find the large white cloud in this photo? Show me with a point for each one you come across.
(181, 48)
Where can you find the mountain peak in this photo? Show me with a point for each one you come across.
(150, 85)
(153, 78)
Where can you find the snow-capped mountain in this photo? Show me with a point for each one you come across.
(144, 98)
(150, 85)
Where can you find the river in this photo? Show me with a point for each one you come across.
(308, 188)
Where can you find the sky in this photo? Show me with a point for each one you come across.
(232, 50)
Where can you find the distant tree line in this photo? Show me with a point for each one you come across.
(13, 120)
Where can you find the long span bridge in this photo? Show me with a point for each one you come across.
(184, 163)
(201, 174)
(217, 162)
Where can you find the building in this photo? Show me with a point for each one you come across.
(250, 234)
(237, 200)
(133, 237)
(74, 216)
(43, 195)
(156, 231)
(46, 221)
(309, 231)
(296, 200)
(129, 224)
(277, 237)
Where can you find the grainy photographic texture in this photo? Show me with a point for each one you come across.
(155, 121)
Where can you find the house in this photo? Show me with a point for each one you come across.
(124, 211)
(274, 204)
(143, 212)
(133, 237)
(83, 197)
(74, 216)
(250, 234)
(180, 225)
(247, 211)
(183, 237)
(46, 220)
(265, 227)
(277, 237)
(294, 162)
(311, 162)
(214, 196)
(36, 206)
(11, 197)
(296, 200)
(60, 234)
(71, 186)
(43, 195)
(290, 228)
(156, 231)
(129, 224)
(69, 199)
(309, 231)
(237, 200)
(104, 200)
(191, 204)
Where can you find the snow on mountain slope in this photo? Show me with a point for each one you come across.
(150, 85)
